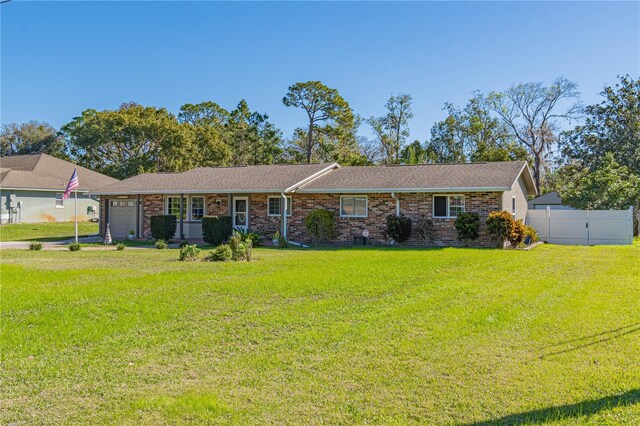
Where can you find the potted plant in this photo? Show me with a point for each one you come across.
(276, 238)
(132, 234)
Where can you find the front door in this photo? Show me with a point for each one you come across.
(241, 212)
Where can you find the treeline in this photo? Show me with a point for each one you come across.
(594, 165)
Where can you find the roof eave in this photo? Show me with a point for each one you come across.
(400, 190)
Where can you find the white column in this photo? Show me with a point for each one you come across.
(284, 216)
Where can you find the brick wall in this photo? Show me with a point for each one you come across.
(413, 205)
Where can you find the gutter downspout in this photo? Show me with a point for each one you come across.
(395, 197)
(181, 217)
(284, 215)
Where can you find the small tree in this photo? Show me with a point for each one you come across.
(468, 227)
(399, 228)
(320, 223)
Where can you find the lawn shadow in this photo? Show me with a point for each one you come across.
(590, 340)
(580, 409)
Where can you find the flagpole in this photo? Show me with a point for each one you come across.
(76, 212)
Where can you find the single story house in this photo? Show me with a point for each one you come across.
(551, 199)
(270, 198)
(31, 188)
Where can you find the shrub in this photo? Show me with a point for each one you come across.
(241, 249)
(75, 247)
(35, 246)
(426, 230)
(517, 233)
(120, 246)
(183, 243)
(321, 223)
(531, 233)
(189, 253)
(503, 227)
(222, 253)
(282, 242)
(256, 239)
(163, 227)
(161, 244)
(468, 227)
(398, 228)
(216, 229)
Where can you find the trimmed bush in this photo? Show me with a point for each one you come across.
(426, 230)
(503, 227)
(517, 233)
(163, 227)
(75, 247)
(398, 228)
(120, 246)
(189, 253)
(161, 244)
(321, 223)
(35, 246)
(468, 227)
(216, 229)
(222, 253)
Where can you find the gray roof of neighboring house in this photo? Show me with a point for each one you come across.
(499, 176)
(548, 199)
(265, 178)
(495, 176)
(42, 171)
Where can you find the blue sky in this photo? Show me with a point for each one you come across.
(61, 58)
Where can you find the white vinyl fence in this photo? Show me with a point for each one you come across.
(583, 227)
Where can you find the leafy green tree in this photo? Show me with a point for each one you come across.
(608, 186)
(130, 140)
(532, 111)
(33, 137)
(612, 126)
(392, 129)
(414, 153)
(252, 138)
(328, 113)
(472, 134)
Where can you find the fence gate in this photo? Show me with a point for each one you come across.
(583, 227)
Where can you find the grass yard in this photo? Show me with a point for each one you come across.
(349, 336)
(54, 231)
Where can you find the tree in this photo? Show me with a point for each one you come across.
(609, 186)
(252, 138)
(33, 137)
(531, 111)
(472, 134)
(612, 126)
(392, 129)
(414, 153)
(130, 140)
(326, 110)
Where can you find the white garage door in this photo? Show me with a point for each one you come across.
(583, 227)
(122, 218)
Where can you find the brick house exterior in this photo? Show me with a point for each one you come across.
(320, 192)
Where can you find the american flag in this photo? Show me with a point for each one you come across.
(73, 184)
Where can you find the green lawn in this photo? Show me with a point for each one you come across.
(351, 336)
(54, 231)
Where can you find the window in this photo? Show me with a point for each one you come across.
(274, 206)
(173, 206)
(59, 201)
(353, 206)
(513, 206)
(197, 208)
(114, 204)
(131, 203)
(448, 205)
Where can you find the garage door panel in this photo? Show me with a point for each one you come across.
(122, 218)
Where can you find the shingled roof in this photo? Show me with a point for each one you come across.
(247, 179)
(44, 172)
(493, 176)
(327, 178)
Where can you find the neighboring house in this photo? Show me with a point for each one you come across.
(361, 197)
(31, 188)
(551, 199)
